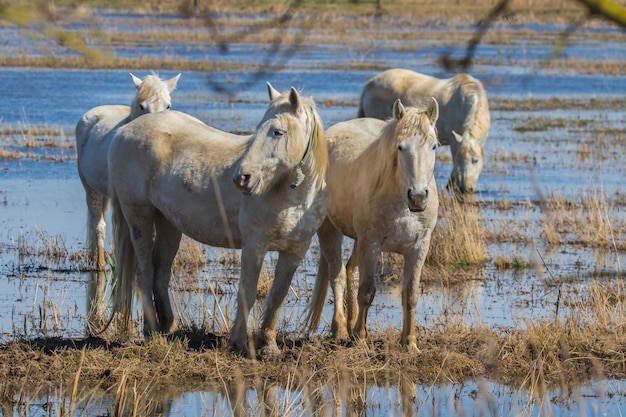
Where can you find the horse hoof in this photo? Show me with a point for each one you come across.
(270, 351)
(413, 349)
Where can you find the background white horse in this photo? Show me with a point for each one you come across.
(464, 119)
(92, 144)
(260, 193)
(382, 193)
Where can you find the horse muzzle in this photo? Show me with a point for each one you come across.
(244, 183)
(417, 201)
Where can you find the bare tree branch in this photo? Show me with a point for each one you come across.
(597, 8)
(608, 9)
(274, 60)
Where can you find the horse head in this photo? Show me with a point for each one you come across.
(153, 94)
(468, 163)
(416, 141)
(287, 139)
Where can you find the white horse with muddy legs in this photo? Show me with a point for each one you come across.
(382, 193)
(464, 119)
(92, 143)
(172, 174)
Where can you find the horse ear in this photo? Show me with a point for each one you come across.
(272, 92)
(294, 99)
(171, 83)
(457, 138)
(433, 111)
(136, 80)
(398, 110)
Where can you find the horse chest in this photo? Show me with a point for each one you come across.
(282, 224)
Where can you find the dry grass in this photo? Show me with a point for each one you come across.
(586, 220)
(459, 237)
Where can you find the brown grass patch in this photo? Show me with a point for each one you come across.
(585, 220)
(459, 237)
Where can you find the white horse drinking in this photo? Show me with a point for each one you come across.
(92, 144)
(171, 174)
(382, 193)
(464, 119)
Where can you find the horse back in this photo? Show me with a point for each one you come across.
(174, 163)
(99, 121)
(381, 91)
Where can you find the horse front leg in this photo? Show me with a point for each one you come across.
(412, 272)
(166, 243)
(367, 253)
(252, 255)
(285, 268)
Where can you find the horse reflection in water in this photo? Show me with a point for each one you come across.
(463, 122)
(382, 193)
(172, 174)
(93, 136)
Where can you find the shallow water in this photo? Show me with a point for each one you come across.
(42, 200)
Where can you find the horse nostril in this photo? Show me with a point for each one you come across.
(242, 179)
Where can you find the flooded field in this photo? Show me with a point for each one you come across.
(550, 199)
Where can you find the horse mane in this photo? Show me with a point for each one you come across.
(319, 152)
(151, 85)
(395, 132)
(320, 147)
(478, 121)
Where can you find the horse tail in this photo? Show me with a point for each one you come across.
(319, 296)
(124, 267)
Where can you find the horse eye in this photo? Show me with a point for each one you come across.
(401, 147)
(435, 146)
(279, 132)
(142, 106)
(474, 160)
(169, 106)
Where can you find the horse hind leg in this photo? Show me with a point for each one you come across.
(140, 220)
(367, 259)
(97, 205)
(331, 241)
(352, 290)
(166, 244)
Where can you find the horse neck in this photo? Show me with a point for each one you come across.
(380, 165)
(135, 111)
(476, 109)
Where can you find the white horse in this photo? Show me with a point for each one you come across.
(464, 119)
(172, 174)
(92, 143)
(382, 193)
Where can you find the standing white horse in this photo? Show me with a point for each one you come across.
(382, 193)
(464, 119)
(92, 144)
(172, 174)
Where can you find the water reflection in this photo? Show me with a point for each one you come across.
(343, 398)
